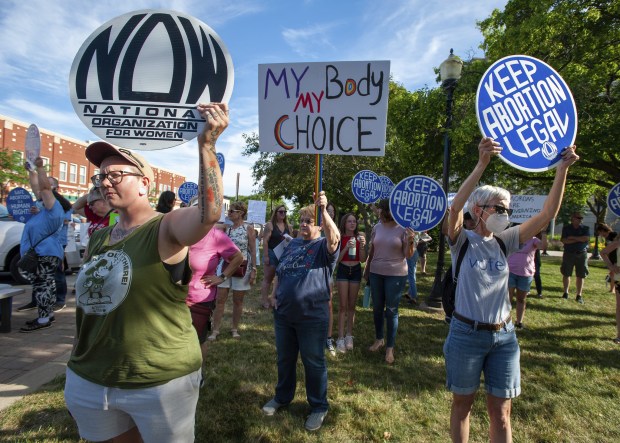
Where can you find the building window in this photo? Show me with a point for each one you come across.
(62, 172)
(82, 175)
(72, 173)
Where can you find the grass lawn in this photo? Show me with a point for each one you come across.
(569, 374)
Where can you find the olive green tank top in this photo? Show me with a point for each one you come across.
(133, 329)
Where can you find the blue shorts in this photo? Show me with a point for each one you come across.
(349, 273)
(273, 260)
(469, 353)
(520, 282)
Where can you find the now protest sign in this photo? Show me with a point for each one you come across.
(613, 200)
(526, 106)
(136, 80)
(525, 206)
(418, 202)
(335, 108)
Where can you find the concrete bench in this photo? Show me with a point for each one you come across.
(6, 305)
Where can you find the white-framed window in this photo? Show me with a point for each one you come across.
(62, 172)
(72, 173)
(82, 175)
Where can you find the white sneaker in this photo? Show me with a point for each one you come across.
(340, 346)
(213, 335)
(348, 341)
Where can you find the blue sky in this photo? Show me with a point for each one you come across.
(41, 37)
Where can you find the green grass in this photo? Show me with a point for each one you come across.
(569, 375)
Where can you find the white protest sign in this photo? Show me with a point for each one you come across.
(525, 206)
(526, 106)
(613, 200)
(257, 212)
(137, 79)
(323, 108)
(33, 145)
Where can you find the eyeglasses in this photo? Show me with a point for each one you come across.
(307, 221)
(129, 153)
(281, 211)
(92, 203)
(499, 209)
(114, 177)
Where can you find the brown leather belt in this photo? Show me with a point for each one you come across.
(482, 326)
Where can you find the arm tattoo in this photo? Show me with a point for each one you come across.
(214, 195)
(201, 186)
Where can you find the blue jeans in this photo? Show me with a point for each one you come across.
(386, 292)
(412, 263)
(305, 337)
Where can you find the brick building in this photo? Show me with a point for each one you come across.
(67, 162)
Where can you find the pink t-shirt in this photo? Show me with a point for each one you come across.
(388, 257)
(204, 257)
(522, 262)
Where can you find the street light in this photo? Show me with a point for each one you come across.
(449, 73)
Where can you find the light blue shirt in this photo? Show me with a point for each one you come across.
(44, 227)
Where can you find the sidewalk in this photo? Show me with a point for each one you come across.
(28, 361)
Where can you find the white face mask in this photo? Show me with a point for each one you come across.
(496, 223)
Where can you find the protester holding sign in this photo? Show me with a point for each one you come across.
(135, 342)
(482, 336)
(273, 235)
(244, 237)
(41, 236)
(301, 311)
(386, 270)
(348, 278)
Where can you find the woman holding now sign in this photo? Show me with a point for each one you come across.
(482, 336)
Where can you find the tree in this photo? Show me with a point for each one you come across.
(12, 172)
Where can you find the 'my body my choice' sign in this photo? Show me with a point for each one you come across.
(526, 106)
(137, 79)
(324, 108)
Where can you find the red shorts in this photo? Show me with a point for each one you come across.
(201, 318)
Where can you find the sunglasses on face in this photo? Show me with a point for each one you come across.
(307, 221)
(235, 210)
(281, 211)
(578, 218)
(499, 209)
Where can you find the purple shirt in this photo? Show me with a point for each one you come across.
(522, 261)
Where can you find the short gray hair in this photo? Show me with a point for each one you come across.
(484, 194)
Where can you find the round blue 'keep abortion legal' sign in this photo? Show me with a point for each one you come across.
(187, 191)
(613, 200)
(418, 202)
(386, 186)
(366, 187)
(526, 106)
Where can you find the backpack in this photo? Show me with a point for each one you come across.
(448, 284)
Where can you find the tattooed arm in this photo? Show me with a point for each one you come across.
(186, 226)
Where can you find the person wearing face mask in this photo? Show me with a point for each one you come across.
(482, 336)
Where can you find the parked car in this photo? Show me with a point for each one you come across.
(10, 238)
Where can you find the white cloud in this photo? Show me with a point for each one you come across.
(310, 42)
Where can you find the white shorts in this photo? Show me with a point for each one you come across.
(164, 413)
(237, 283)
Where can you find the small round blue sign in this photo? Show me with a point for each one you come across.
(366, 187)
(386, 186)
(187, 191)
(418, 202)
(221, 161)
(613, 200)
(526, 106)
(18, 203)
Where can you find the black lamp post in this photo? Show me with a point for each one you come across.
(449, 73)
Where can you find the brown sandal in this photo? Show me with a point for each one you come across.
(378, 344)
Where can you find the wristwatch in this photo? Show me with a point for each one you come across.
(223, 277)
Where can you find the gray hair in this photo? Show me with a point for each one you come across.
(485, 194)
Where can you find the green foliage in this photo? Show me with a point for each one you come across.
(12, 171)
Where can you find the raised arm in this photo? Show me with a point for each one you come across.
(553, 201)
(40, 179)
(486, 149)
(80, 204)
(186, 226)
(332, 234)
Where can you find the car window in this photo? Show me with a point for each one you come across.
(4, 213)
